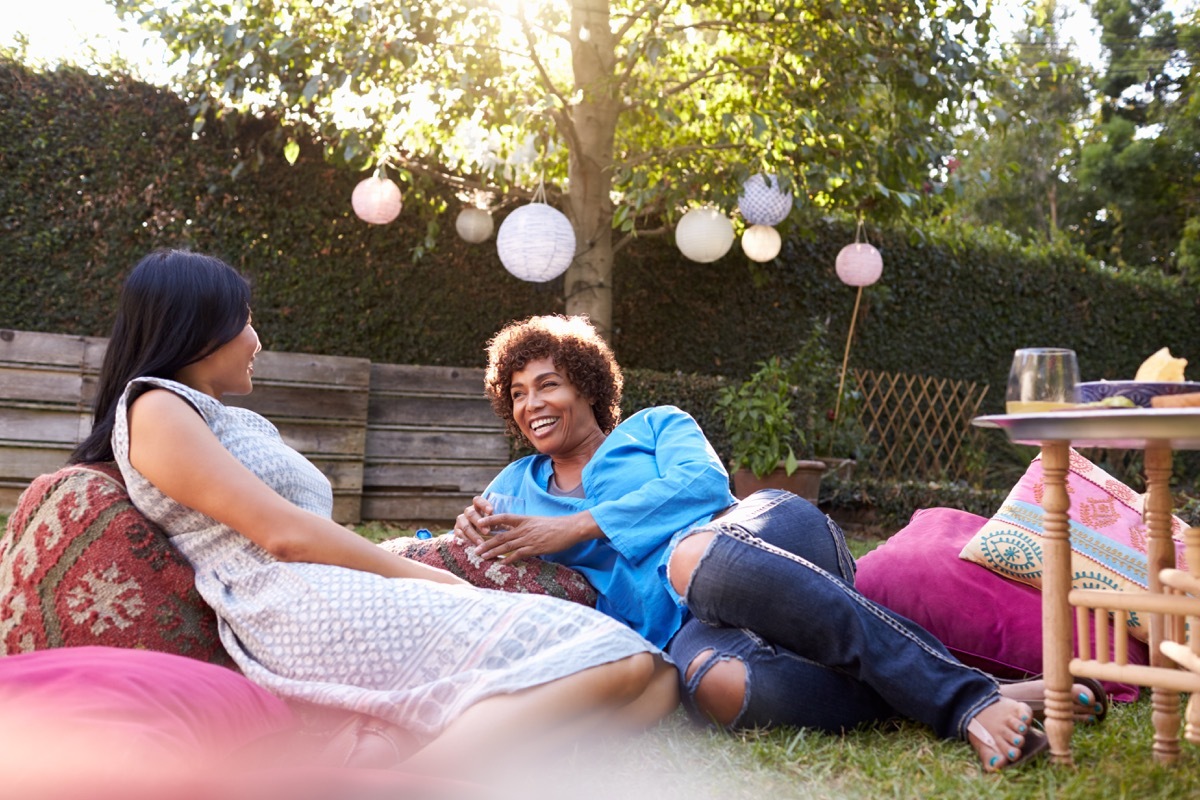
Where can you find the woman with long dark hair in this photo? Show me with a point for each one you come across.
(307, 608)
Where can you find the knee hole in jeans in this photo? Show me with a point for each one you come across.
(685, 558)
(721, 691)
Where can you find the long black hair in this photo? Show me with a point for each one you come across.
(176, 307)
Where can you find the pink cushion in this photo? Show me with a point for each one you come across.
(122, 719)
(1108, 535)
(987, 621)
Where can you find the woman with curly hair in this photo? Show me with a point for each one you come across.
(753, 600)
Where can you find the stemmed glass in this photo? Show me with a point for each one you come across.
(1042, 379)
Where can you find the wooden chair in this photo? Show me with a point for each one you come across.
(1175, 612)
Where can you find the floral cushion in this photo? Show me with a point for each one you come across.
(80, 565)
(1108, 535)
(528, 576)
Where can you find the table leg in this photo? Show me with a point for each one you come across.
(1056, 613)
(1160, 556)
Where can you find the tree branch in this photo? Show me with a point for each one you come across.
(628, 238)
(457, 182)
(531, 42)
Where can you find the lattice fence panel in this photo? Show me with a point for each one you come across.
(917, 423)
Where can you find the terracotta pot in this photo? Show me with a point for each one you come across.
(804, 482)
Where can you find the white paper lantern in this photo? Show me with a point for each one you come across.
(474, 224)
(859, 264)
(761, 242)
(762, 202)
(704, 234)
(536, 243)
(376, 200)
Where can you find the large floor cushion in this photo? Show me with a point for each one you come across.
(80, 565)
(986, 620)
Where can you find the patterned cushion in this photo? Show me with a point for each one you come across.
(1108, 536)
(79, 565)
(528, 576)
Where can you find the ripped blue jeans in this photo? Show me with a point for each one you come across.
(775, 591)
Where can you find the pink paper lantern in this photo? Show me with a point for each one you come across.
(376, 200)
(859, 264)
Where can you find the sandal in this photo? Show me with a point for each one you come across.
(1036, 743)
(1038, 703)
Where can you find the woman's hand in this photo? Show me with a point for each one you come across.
(467, 525)
(518, 536)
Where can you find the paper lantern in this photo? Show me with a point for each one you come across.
(704, 234)
(536, 243)
(474, 224)
(761, 242)
(859, 264)
(376, 200)
(762, 202)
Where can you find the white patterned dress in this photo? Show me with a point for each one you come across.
(414, 652)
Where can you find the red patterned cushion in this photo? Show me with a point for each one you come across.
(528, 576)
(79, 565)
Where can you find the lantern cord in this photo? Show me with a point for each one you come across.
(837, 405)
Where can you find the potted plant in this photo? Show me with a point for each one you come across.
(782, 424)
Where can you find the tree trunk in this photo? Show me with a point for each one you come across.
(588, 282)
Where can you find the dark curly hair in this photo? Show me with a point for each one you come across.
(575, 347)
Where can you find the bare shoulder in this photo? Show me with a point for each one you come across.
(157, 406)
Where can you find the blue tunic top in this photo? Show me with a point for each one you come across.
(655, 475)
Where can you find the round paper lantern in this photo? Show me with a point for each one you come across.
(761, 201)
(536, 243)
(859, 264)
(704, 234)
(761, 242)
(376, 200)
(474, 224)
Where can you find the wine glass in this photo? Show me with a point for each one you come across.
(1042, 379)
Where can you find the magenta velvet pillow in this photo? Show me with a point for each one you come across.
(124, 723)
(987, 621)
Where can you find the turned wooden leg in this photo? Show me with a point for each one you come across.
(1161, 553)
(1056, 613)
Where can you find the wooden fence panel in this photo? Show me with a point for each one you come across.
(433, 443)
(42, 410)
(48, 385)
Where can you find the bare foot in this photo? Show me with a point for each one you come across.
(1002, 734)
(1089, 702)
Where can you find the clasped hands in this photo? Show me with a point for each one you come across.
(517, 536)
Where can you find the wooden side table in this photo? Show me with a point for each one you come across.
(1158, 432)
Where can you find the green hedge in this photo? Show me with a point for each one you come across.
(96, 171)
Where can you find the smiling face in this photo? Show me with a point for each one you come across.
(551, 412)
(228, 369)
